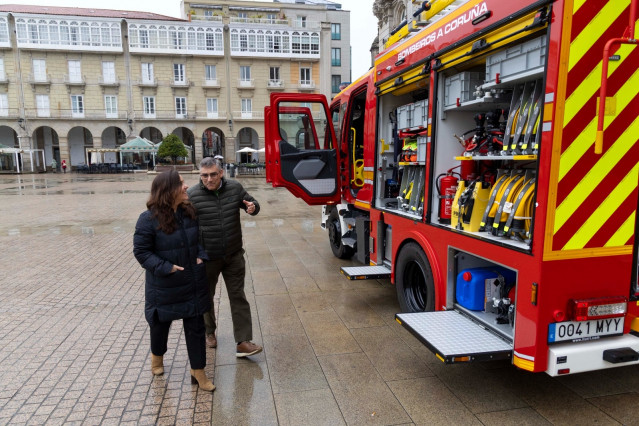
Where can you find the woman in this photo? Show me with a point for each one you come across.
(166, 245)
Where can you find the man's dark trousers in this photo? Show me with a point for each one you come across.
(233, 271)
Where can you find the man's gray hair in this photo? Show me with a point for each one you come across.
(210, 162)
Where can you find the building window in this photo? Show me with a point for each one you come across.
(274, 76)
(247, 108)
(208, 13)
(3, 76)
(42, 105)
(77, 106)
(180, 107)
(210, 73)
(179, 74)
(149, 106)
(211, 108)
(39, 70)
(4, 105)
(147, 73)
(336, 32)
(271, 17)
(108, 72)
(305, 76)
(336, 57)
(301, 22)
(245, 75)
(111, 106)
(75, 71)
(335, 82)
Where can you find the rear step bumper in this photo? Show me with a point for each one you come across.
(365, 272)
(570, 358)
(453, 337)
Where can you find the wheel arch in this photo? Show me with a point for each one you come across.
(429, 251)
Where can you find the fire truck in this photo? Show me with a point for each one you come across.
(488, 164)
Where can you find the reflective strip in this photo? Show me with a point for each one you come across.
(547, 126)
(623, 234)
(523, 363)
(604, 211)
(590, 84)
(586, 138)
(595, 29)
(596, 174)
(550, 97)
(522, 356)
(368, 181)
(369, 169)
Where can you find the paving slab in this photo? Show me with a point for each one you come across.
(74, 344)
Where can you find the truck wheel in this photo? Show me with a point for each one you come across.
(335, 237)
(414, 280)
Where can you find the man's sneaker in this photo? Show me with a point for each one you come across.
(247, 349)
(211, 341)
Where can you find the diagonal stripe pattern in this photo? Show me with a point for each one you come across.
(597, 194)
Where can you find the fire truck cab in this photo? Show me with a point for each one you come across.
(476, 167)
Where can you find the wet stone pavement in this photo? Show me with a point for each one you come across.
(74, 345)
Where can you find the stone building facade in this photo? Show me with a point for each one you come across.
(74, 80)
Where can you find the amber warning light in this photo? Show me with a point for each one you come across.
(601, 308)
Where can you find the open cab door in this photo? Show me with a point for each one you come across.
(300, 147)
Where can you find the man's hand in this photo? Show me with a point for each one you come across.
(176, 268)
(250, 206)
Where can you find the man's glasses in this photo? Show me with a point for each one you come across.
(209, 175)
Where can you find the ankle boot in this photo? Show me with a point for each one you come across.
(199, 377)
(157, 367)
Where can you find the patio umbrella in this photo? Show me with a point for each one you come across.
(96, 157)
(246, 149)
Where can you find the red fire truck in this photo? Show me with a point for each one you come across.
(476, 167)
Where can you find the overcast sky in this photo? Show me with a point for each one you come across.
(363, 23)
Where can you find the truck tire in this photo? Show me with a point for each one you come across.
(335, 237)
(414, 280)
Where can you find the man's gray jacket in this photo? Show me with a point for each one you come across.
(218, 213)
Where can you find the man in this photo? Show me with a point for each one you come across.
(218, 202)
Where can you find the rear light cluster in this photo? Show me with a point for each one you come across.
(600, 308)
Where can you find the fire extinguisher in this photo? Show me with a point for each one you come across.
(446, 188)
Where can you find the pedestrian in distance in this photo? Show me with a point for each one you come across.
(217, 202)
(166, 245)
(64, 166)
(54, 166)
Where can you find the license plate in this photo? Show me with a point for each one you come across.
(576, 331)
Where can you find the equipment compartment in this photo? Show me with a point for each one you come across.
(483, 291)
(485, 148)
(517, 59)
(459, 88)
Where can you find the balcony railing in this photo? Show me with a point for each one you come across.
(74, 81)
(63, 114)
(180, 83)
(306, 85)
(213, 18)
(248, 115)
(148, 82)
(307, 25)
(108, 82)
(275, 84)
(259, 21)
(9, 113)
(245, 84)
(211, 83)
(40, 79)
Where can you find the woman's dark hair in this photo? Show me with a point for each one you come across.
(165, 188)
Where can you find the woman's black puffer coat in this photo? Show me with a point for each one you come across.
(181, 294)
